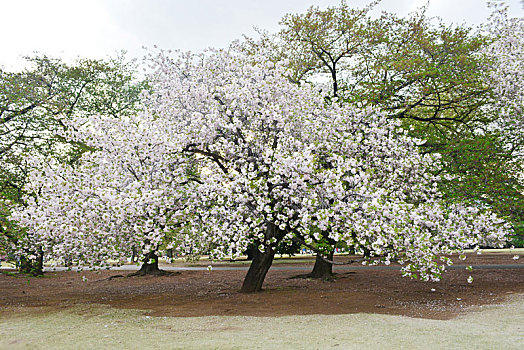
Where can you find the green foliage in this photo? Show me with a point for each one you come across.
(324, 41)
(426, 72)
(485, 173)
(517, 239)
(290, 248)
(414, 68)
(35, 103)
(9, 232)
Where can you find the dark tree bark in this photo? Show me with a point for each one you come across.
(40, 263)
(323, 269)
(262, 262)
(149, 266)
(134, 257)
(251, 251)
(257, 271)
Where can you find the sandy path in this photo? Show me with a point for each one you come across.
(100, 327)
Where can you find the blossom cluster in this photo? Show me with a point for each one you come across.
(123, 195)
(507, 71)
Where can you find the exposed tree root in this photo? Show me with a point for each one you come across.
(140, 273)
(325, 278)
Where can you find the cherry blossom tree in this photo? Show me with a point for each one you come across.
(124, 194)
(228, 152)
(35, 104)
(279, 163)
(432, 76)
(507, 52)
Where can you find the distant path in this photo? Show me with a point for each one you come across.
(289, 268)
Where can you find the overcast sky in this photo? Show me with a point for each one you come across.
(98, 28)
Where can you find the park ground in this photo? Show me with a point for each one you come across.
(204, 310)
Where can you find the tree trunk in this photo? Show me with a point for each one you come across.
(262, 261)
(135, 256)
(257, 271)
(40, 263)
(251, 251)
(322, 268)
(149, 266)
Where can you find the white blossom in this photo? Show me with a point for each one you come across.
(228, 152)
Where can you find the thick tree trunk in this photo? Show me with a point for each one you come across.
(257, 271)
(262, 261)
(134, 256)
(40, 263)
(31, 267)
(322, 268)
(149, 266)
(251, 251)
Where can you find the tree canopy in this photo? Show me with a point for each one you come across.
(272, 162)
(398, 138)
(446, 84)
(35, 106)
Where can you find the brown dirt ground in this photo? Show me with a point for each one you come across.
(205, 293)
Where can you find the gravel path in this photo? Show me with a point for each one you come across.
(95, 327)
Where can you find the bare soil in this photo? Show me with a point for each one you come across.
(210, 293)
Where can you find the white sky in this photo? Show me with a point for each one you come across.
(98, 28)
